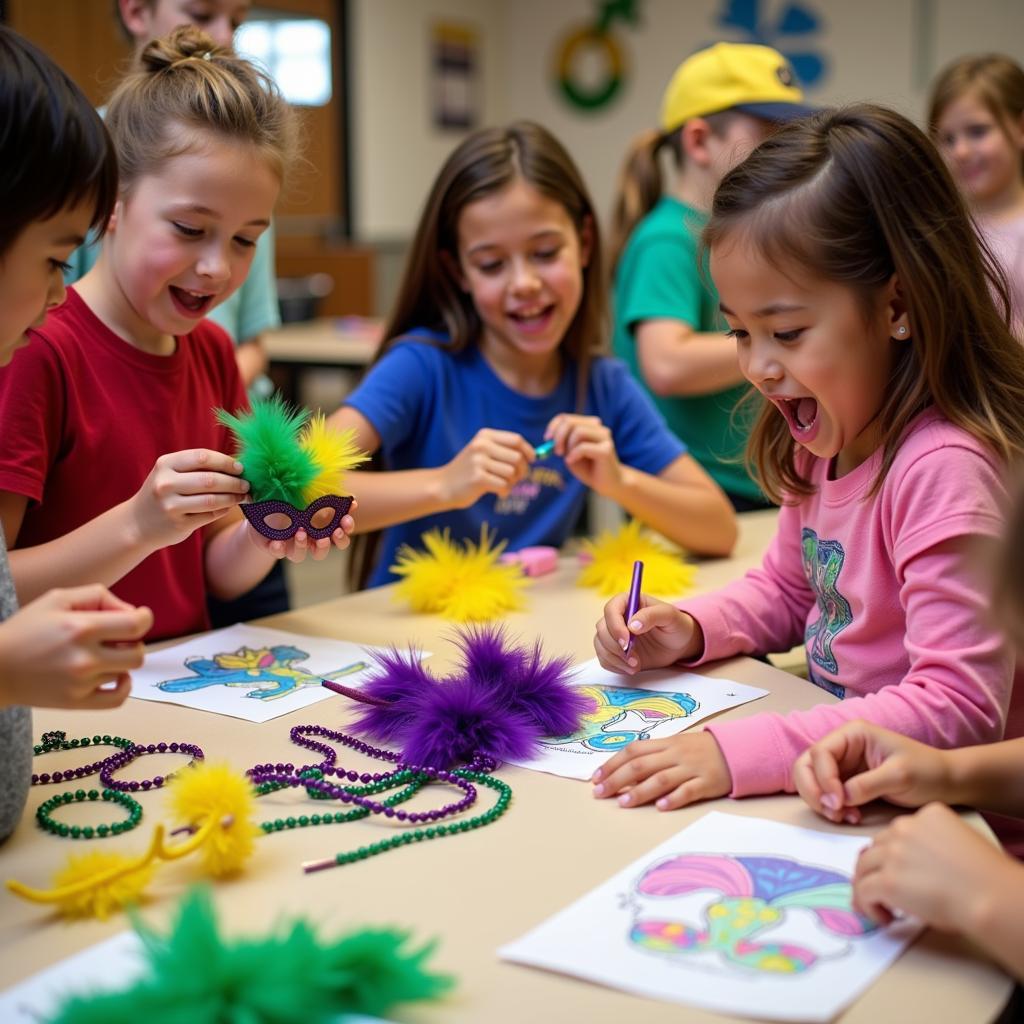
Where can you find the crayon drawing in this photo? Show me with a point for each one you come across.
(745, 922)
(736, 914)
(619, 716)
(250, 672)
(668, 702)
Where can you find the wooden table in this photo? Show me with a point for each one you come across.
(476, 891)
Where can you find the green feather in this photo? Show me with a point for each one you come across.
(196, 977)
(273, 460)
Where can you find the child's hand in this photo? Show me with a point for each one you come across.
(860, 762)
(662, 635)
(185, 491)
(298, 547)
(58, 651)
(929, 864)
(586, 445)
(492, 463)
(671, 772)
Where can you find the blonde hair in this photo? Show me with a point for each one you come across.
(186, 81)
(997, 81)
(856, 195)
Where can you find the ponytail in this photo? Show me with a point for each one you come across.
(640, 187)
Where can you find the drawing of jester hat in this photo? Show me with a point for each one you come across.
(295, 465)
(758, 914)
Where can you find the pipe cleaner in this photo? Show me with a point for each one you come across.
(609, 562)
(194, 973)
(462, 582)
(295, 465)
(501, 701)
(218, 806)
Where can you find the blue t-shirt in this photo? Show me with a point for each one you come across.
(426, 403)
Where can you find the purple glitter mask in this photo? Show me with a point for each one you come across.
(257, 511)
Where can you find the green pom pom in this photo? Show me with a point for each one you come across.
(275, 464)
(196, 977)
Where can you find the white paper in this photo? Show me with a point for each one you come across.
(109, 966)
(251, 673)
(660, 704)
(735, 914)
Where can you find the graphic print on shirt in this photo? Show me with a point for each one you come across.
(823, 562)
(527, 491)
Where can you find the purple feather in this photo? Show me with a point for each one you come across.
(540, 690)
(488, 656)
(401, 680)
(461, 718)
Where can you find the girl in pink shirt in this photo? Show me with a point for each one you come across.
(860, 301)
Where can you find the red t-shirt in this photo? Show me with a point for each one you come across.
(83, 418)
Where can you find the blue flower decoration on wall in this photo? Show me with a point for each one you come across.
(788, 34)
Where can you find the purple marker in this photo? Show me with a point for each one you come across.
(633, 601)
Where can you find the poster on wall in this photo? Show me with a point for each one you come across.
(455, 67)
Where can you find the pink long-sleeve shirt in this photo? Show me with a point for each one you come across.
(890, 598)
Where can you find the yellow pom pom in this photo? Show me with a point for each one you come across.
(612, 555)
(219, 802)
(464, 583)
(334, 452)
(120, 881)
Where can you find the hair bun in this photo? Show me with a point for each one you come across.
(184, 42)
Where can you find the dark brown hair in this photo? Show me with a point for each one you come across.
(430, 295)
(185, 81)
(855, 195)
(997, 81)
(54, 150)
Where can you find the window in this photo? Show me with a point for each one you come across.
(296, 52)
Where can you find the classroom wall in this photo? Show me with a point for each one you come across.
(885, 50)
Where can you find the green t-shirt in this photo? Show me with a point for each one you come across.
(658, 278)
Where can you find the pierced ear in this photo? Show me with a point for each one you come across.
(451, 265)
(896, 309)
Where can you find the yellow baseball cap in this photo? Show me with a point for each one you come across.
(756, 80)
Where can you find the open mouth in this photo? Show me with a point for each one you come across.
(802, 416)
(191, 303)
(533, 319)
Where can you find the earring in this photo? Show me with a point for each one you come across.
(901, 331)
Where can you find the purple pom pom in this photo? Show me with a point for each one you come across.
(404, 683)
(541, 691)
(462, 717)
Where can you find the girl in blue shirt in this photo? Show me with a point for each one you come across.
(490, 351)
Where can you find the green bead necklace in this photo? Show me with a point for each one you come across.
(58, 828)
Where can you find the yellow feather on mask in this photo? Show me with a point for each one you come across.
(612, 554)
(462, 582)
(334, 452)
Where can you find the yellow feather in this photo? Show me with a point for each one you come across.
(221, 803)
(463, 583)
(666, 573)
(122, 887)
(334, 452)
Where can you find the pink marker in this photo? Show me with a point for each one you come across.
(633, 601)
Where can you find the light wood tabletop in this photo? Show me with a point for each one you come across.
(475, 891)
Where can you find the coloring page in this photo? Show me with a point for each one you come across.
(249, 672)
(659, 704)
(735, 914)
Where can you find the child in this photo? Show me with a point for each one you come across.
(127, 371)
(489, 354)
(718, 106)
(910, 864)
(58, 178)
(976, 117)
(890, 418)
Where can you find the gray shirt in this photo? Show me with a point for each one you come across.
(15, 728)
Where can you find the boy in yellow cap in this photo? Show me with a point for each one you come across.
(718, 106)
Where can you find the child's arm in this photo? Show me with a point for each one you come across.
(682, 501)
(937, 868)
(861, 762)
(183, 492)
(677, 360)
(493, 462)
(61, 650)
